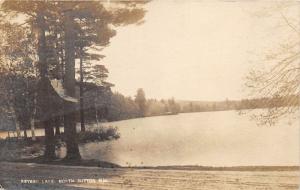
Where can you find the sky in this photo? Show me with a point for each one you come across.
(193, 50)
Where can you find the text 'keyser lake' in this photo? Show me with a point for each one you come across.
(222, 138)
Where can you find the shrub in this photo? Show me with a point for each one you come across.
(99, 135)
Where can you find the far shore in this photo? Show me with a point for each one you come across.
(225, 168)
(104, 164)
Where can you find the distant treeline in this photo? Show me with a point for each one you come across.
(115, 106)
(202, 106)
(120, 107)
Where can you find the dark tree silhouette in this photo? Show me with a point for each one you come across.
(140, 100)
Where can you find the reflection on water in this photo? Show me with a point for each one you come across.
(208, 138)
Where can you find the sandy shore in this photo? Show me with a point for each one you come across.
(27, 176)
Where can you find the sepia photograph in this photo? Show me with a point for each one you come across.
(149, 95)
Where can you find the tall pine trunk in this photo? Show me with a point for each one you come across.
(32, 121)
(69, 85)
(82, 121)
(25, 132)
(57, 125)
(32, 130)
(43, 92)
(17, 127)
(49, 140)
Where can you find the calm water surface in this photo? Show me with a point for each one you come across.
(208, 138)
(222, 138)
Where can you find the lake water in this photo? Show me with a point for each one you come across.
(222, 138)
